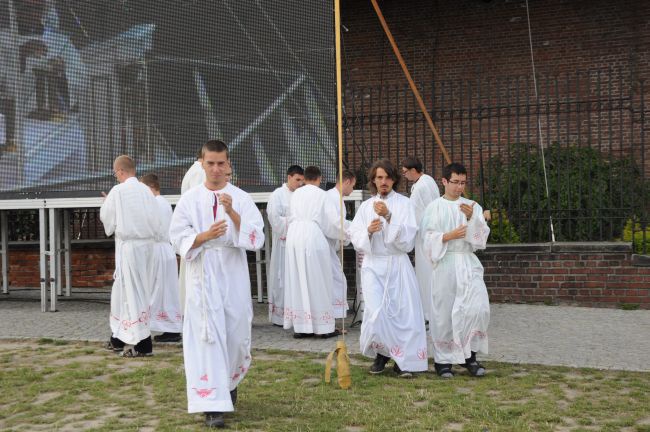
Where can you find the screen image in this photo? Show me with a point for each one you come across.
(83, 81)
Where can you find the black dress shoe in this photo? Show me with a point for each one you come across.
(168, 337)
(302, 335)
(233, 396)
(379, 364)
(214, 420)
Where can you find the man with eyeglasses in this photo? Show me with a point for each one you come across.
(452, 228)
(423, 192)
(131, 213)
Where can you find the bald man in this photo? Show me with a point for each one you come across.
(131, 213)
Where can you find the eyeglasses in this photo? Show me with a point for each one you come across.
(458, 183)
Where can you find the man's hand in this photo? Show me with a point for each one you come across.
(104, 195)
(226, 201)
(468, 210)
(455, 234)
(374, 226)
(380, 208)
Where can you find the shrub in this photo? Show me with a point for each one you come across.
(640, 238)
(590, 194)
(501, 230)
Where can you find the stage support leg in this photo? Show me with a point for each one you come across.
(54, 259)
(67, 248)
(4, 241)
(42, 231)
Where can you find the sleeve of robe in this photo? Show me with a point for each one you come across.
(330, 221)
(251, 228)
(434, 248)
(399, 234)
(182, 233)
(477, 229)
(279, 224)
(358, 230)
(108, 213)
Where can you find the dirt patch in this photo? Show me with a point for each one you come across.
(454, 426)
(46, 397)
(312, 381)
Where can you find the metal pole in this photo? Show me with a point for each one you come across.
(53, 259)
(4, 230)
(58, 250)
(16, 87)
(67, 245)
(267, 250)
(42, 232)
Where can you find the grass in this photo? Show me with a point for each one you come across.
(51, 385)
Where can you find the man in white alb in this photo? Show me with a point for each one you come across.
(340, 287)
(130, 212)
(423, 192)
(308, 277)
(452, 228)
(213, 226)
(166, 313)
(277, 211)
(384, 230)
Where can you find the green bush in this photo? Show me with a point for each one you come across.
(501, 230)
(590, 194)
(640, 238)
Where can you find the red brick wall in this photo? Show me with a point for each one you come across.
(584, 274)
(478, 55)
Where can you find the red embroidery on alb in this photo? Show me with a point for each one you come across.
(396, 351)
(203, 392)
(204, 377)
(252, 236)
(162, 316)
(422, 353)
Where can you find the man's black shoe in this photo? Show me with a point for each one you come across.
(444, 370)
(379, 365)
(214, 420)
(168, 337)
(400, 373)
(233, 396)
(302, 335)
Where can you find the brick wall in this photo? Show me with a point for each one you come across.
(584, 274)
(471, 60)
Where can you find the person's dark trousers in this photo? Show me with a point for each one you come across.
(144, 346)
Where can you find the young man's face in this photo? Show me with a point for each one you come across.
(295, 181)
(348, 186)
(383, 182)
(411, 174)
(215, 165)
(455, 186)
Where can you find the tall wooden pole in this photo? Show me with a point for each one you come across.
(414, 89)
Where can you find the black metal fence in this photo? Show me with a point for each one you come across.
(590, 125)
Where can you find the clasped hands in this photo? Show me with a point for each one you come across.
(381, 209)
(460, 231)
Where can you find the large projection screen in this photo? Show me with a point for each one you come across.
(82, 81)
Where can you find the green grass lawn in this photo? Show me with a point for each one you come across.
(53, 385)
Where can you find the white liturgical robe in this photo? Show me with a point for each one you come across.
(166, 312)
(340, 287)
(393, 323)
(423, 192)
(308, 271)
(277, 211)
(218, 308)
(193, 177)
(459, 304)
(130, 212)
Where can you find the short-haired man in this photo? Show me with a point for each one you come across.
(308, 277)
(384, 230)
(131, 213)
(340, 287)
(423, 192)
(452, 228)
(213, 226)
(277, 210)
(166, 313)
